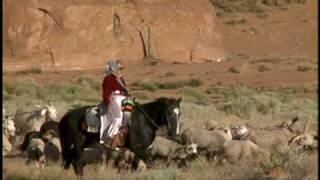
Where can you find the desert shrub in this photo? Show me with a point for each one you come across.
(153, 86)
(150, 86)
(31, 70)
(234, 70)
(140, 95)
(216, 89)
(305, 67)
(263, 68)
(25, 86)
(193, 95)
(90, 81)
(236, 22)
(238, 101)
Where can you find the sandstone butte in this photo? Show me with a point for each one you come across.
(83, 34)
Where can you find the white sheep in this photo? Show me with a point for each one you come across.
(8, 132)
(27, 121)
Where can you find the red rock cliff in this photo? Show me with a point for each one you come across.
(84, 34)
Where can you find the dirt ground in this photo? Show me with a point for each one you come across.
(280, 43)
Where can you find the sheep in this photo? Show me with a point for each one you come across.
(45, 135)
(125, 160)
(239, 132)
(168, 149)
(211, 125)
(27, 139)
(93, 154)
(27, 121)
(9, 132)
(207, 141)
(282, 134)
(98, 154)
(141, 165)
(35, 152)
(6, 145)
(240, 150)
(52, 150)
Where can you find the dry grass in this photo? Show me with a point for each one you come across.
(237, 104)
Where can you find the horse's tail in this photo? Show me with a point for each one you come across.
(65, 140)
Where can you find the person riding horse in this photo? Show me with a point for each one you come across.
(114, 92)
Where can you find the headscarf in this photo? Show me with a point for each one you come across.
(112, 66)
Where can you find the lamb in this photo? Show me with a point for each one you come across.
(35, 152)
(207, 141)
(162, 147)
(238, 150)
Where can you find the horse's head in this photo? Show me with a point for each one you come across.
(172, 115)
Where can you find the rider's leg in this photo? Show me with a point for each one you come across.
(103, 121)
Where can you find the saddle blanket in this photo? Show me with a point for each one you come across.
(93, 120)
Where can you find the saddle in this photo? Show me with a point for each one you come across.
(92, 122)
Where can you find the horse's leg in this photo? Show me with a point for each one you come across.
(78, 168)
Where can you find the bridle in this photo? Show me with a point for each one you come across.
(147, 116)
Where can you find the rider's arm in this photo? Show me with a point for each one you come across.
(107, 89)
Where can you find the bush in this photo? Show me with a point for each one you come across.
(32, 70)
(153, 86)
(193, 95)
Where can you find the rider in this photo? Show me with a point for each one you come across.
(114, 91)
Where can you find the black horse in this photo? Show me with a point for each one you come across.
(145, 120)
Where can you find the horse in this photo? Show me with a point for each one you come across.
(145, 120)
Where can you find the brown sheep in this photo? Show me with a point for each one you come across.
(165, 148)
(207, 141)
(237, 150)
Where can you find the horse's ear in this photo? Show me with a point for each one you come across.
(179, 100)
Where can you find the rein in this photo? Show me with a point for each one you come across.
(147, 116)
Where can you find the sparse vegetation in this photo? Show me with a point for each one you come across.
(153, 86)
(193, 95)
(236, 22)
(263, 68)
(248, 103)
(259, 8)
(234, 70)
(32, 70)
(306, 67)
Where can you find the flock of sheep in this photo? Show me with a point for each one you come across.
(221, 144)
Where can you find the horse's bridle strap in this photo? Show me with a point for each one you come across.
(147, 116)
